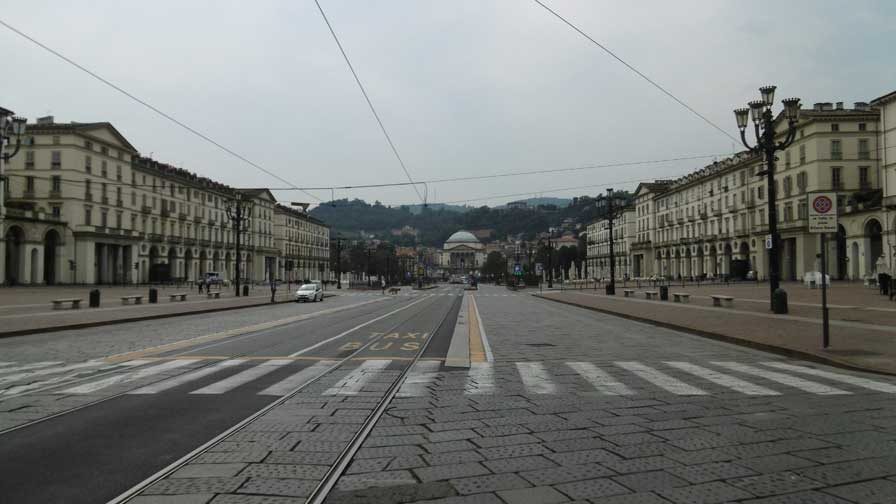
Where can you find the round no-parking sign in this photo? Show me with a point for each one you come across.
(822, 204)
(823, 213)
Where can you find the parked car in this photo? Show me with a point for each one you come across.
(213, 278)
(309, 292)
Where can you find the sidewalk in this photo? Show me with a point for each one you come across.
(862, 330)
(28, 310)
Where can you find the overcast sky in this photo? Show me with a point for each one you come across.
(467, 87)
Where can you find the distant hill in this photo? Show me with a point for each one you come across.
(534, 202)
(416, 209)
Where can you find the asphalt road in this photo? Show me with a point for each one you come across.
(95, 453)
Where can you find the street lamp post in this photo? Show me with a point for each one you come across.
(338, 262)
(549, 246)
(238, 211)
(611, 215)
(10, 127)
(764, 129)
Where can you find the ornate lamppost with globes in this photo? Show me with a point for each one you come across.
(10, 127)
(760, 111)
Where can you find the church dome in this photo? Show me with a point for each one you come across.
(462, 237)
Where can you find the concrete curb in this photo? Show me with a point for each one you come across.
(787, 352)
(100, 323)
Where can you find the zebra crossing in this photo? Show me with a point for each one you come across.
(612, 378)
(433, 294)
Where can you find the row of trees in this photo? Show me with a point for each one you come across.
(374, 262)
(564, 260)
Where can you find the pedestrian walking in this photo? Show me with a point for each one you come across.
(200, 285)
(383, 285)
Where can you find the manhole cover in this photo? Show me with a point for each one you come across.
(540, 344)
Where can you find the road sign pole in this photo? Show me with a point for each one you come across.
(825, 331)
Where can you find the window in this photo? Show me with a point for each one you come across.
(801, 210)
(88, 145)
(759, 192)
(118, 220)
(55, 140)
(118, 196)
(863, 127)
(133, 179)
(802, 181)
(133, 198)
(56, 210)
(836, 178)
(835, 127)
(56, 184)
(104, 218)
(863, 177)
(787, 159)
(88, 164)
(87, 194)
(836, 149)
(29, 185)
(863, 149)
(104, 169)
(104, 150)
(56, 160)
(118, 172)
(803, 154)
(788, 185)
(87, 215)
(29, 160)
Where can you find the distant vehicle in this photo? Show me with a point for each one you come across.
(213, 278)
(309, 292)
(456, 279)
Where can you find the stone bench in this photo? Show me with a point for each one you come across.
(216, 294)
(629, 292)
(652, 294)
(681, 297)
(75, 302)
(719, 300)
(138, 299)
(181, 295)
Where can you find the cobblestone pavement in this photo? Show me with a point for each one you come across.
(578, 406)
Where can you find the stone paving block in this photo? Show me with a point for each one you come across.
(704, 442)
(847, 472)
(451, 435)
(195, 486)
(501, 430)
(458, 425)
(227, 457)
(542, 495)
(279, 486)
(320, 446)
(577, 444)
(301, 471)
(448, 446)
(516, 439)
(296, 457)
(491, 483)
(706, 493)
(410, 439)
(635, 498)
(641, 464)
(563, 435)
(583, 457)
(405, 462)
(775, 463)
(875, 491)
(832, 455)
(807, 497)
(449, 471)
(256, 499)
(692, 432)
(368, 465)
(481, 498)
(197, 470)
(649, 481)
(712, 471)
(644, 450)
(421, 492)
(566, 474)
(388, 451)
(513, 451)
(455, 457)
(774, 447)
(774, 483)
(592, 488)
(398, 430)
(375, 479)
(173, 499)
(518, 464)
(608, 430)
(633, 438)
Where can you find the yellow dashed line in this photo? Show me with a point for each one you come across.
(477, 351)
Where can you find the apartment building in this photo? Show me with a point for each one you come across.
(303, 243)
(84, 207)
(624, 236)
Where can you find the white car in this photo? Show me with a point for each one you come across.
(309, 292)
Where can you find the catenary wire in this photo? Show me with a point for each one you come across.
(635, 70)
(148, 105)
(369, 102)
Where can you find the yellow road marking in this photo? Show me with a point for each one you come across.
(477, 350)
(177, 345)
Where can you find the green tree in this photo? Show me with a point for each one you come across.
(494, 265)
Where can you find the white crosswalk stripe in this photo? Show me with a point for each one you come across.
(600, 379)
(290, 383)
(661, 379)
(25, 367)
(6, 364)
(536, 378)
(782, 378)
(66, 376)
(480, 378)
(723, 379)
(243, 377)
(842, 378)
(419, 378)
(95, 386)
(47, 371)
(185, 378)
(360, 376)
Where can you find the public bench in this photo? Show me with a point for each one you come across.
(75, 302)
(138, 299)
(681, 297)
(181, 295)
(719, 300)
(216, 295)
(628, 292)
(652, 294)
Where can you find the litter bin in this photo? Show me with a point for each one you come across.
(95, 298)
(611, 289)
(245, 290)
(664, 292)
(779, 301)
(153, 295)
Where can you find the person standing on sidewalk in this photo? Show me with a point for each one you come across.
(383, 286)
(200, 285)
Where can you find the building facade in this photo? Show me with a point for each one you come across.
(598, 256)
(303, 245)
(84, 207)
(462, 254)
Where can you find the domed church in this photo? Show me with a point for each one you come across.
(462, 254)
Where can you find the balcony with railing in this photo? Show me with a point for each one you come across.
(182, 216)
(155, 237)
(146, 209)
(189, 241)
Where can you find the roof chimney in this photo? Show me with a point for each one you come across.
(45, 120)
(817, 106)
(860, 105)
(827, 106)
(839, 105)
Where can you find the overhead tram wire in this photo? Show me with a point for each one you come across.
(370, 103)
(149, 106)
(635, 70)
